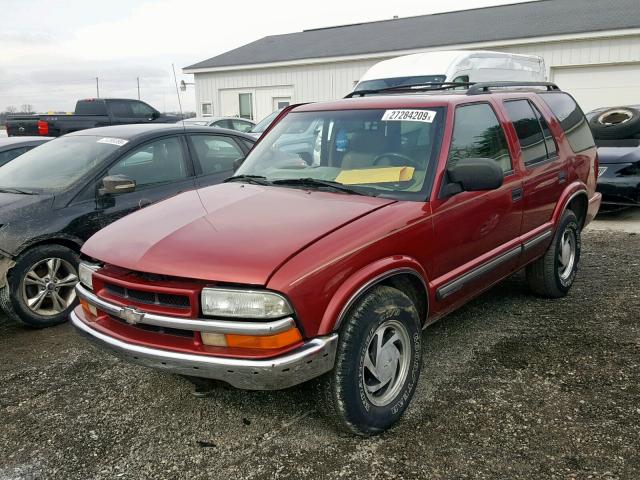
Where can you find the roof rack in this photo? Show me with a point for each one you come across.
(485, 87)
(472, 88)
(414, 87)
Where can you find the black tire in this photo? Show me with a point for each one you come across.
(12, 299)
(545, 275)
(616, 123)
(342, 392)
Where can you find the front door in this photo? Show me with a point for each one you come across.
(476, 233)
(160, 168)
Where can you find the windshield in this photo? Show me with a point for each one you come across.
(376, 152)
(399, 82)
(262, 125)
(57, 164)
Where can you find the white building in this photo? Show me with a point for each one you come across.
(591, 49)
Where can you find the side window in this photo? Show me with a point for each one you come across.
(120, 109)
(571, 120)
(477, 134)
(550, 142)
(223, 124)
(241, 126)
(247, 143)
(140, 109)
(8, 155)
(161, 161)
(215, 153)
(528, 129)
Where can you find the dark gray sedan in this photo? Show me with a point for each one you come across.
(12, 147)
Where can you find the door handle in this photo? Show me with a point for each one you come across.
(562, 177)
(516, 194)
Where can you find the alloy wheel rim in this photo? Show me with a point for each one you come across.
(567, 254)
(48, 288)
(386, 363)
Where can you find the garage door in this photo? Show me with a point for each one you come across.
(600, 86)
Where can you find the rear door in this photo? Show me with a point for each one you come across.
(161, 168)
(477, 233)
(215, 157)
(545, 172)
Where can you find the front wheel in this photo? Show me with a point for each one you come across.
(553, 274)
(40, 290)
(377, 363)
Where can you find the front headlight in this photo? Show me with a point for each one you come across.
(227, 302)
(85, 274)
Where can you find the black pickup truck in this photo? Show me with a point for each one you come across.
(89, 113)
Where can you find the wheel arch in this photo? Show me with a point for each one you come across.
(70, 242)
(406, 275)
(575, 199)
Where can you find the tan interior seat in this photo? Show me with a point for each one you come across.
(364, 147)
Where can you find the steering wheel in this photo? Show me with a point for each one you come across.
(403, 158)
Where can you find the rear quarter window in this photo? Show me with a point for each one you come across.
(90, 107)
(571, 119)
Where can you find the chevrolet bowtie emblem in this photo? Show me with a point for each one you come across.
(131, 315)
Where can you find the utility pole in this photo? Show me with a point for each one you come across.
(97, 88)
(138, 80)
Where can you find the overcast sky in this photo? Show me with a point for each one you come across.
(52, 50)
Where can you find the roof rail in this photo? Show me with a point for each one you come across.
(485, 87)
(415, 87)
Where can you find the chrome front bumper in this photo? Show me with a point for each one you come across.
(308, 361)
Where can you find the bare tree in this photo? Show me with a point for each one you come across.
(26, 108)
(11, 109)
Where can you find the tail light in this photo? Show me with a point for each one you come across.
(43, 128)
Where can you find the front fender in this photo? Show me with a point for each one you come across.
(360, 281)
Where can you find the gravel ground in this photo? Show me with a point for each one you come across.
(512, 386)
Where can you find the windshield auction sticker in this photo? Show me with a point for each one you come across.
(409, 116)
(114, 141)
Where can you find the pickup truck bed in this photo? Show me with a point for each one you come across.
(89, 113)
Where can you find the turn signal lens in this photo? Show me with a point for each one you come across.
(266, 342)
(89, 310)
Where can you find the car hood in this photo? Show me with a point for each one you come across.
(235, 233)
(612, 155)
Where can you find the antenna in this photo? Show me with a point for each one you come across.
(175, 80)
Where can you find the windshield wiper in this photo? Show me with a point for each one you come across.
(314, 182)
(16, 190)
(255, 179)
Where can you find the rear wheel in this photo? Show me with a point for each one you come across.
(553, 274)
(40, 289)
(377, 363)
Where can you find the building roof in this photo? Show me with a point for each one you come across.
(505, 22)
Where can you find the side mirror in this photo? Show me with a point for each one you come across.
(115, 184)
(474, 174)
(237, 162)
(154, 115)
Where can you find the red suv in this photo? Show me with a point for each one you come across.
(350, 227)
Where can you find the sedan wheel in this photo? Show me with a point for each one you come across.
(48, 288)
